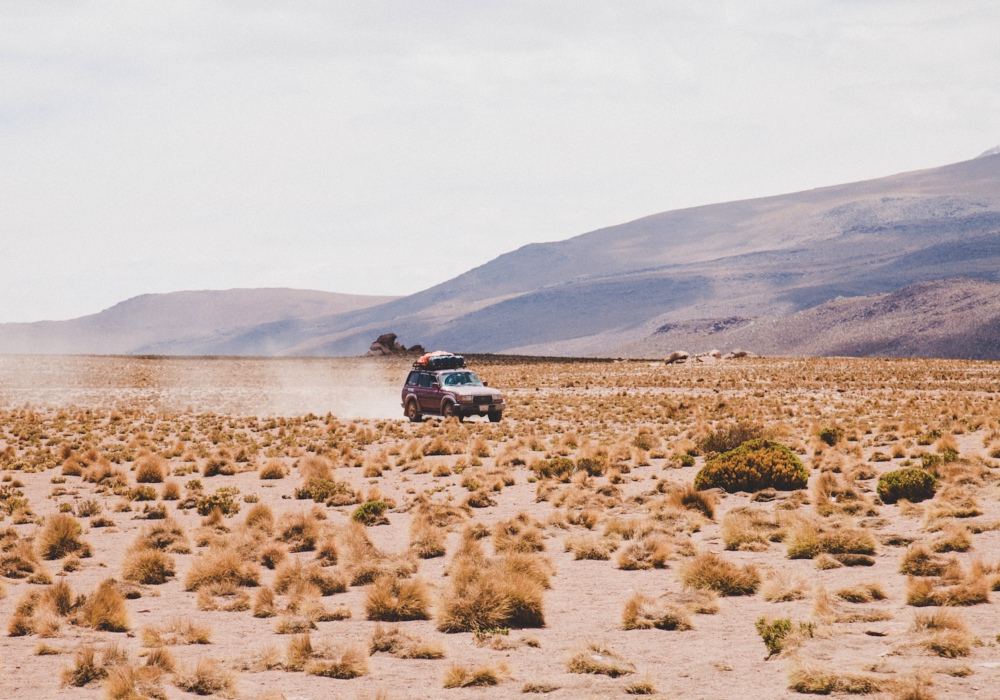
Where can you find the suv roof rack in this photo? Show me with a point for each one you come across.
(439, 360)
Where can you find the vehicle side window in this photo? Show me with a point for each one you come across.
(425, 380)
(413, 379)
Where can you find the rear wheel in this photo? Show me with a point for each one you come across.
(413, 413)
(496, 416)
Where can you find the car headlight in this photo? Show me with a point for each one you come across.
(465, 399)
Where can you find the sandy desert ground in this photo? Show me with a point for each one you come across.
(258, 528)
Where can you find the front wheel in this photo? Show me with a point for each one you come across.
(449, 411)
(413, 413)
(496, 416)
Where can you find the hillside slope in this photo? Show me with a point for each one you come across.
(764, 257)
(955, 318)
(603, 290)
(192, 322)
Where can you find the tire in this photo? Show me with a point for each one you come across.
(449, 411)
(413, 412)
(496, 416)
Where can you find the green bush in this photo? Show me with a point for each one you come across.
(322, 490)
(754, 466)
(913, 485)
(594, 466)
(371, 513)
(224, 499)
(685, 460)
(556, 468)
(774, 633)
(831, 436)
(144, 493)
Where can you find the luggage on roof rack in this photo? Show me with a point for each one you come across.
(440, 360)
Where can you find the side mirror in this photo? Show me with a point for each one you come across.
(486, 383)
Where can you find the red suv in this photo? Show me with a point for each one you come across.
(450, 392)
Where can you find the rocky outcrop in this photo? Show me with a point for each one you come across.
(680, 357)
(386, 344)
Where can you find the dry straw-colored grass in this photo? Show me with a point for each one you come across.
(105, 609)
(711, 572)
(221, 566)
(489, 593)
(642, 612)
(404, 645)
(206, 677)
(147, 566)
(176, 631)
(351, 662)
(61, 537)
(462, 676)
(397, 600)
(598, 659)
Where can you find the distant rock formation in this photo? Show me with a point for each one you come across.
(680, 357)
(386, 344)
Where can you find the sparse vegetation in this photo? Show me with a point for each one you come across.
(596, 462)
(753, 466)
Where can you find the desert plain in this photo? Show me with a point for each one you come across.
(274, 528)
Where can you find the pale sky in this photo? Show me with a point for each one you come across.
(383, 147)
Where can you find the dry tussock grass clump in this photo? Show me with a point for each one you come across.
(221, 566)
(782, 587)
(919, 562)
(397, 600)
(260, 517)
(642, 612)
(206, 677)
(174, 632)
(590, 546)
(649, 552)
(299, 530)
(944, 633)
(925, 592)
(151, 469)
(490, 593)
(351, 662)
(427, 541)
(833, 494)
(167, 535)
(18, 559)
(61, 537)
(690, 499)
(105, 609)
(147, 566)
(404, 645)
(364, 562)
(131, 682)
(233, 598)
(814, 678)
(844, 542)
(598, 659)
(294, 573)
(711, 572)
(519, 534)
(461, 676)
(272, 469)
(87, 667)
(862, 593)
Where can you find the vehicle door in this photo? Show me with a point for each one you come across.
(425, 394)
(410, 388)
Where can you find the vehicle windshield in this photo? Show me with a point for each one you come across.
(462, 379)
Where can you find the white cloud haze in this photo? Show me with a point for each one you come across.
(159, 146)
